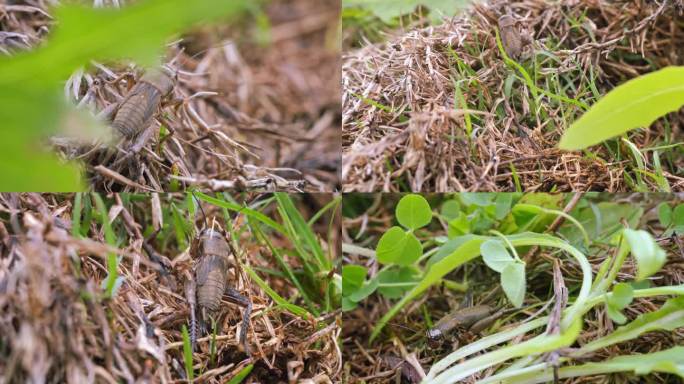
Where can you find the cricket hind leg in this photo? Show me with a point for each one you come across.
(237, 298)
(190, 296)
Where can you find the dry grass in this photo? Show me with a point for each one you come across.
(259, 108)
(404, 127)
(56, 326)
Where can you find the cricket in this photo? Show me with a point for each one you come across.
(137, 109)
(213, 271)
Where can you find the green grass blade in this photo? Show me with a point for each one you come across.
(244, 210)
(241, 375)
(295, 309)
(187, 355)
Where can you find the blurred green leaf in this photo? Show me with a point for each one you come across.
(33, 105)
(413, 212)
(450, 209)
(665, 214)
(387, 10)
(647, 253)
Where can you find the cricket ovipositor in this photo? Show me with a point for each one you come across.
(136, 110)
(211, 283)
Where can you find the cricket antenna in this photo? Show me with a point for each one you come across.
(204, 215)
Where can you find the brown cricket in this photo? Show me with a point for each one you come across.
(512, 39)
(211, 283)
(136, 110)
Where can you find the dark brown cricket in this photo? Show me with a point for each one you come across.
(476, 319)
(215, 260)
(138, 107)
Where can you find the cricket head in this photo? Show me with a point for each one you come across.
(507, 21)
(434, 337)
(161, 78)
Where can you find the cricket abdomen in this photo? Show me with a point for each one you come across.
(209, 293)
(137, 110)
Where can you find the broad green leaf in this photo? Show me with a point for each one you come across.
(459, 226)
(386, 10)
(365, 290)
(348, 304)
(399, 247)
(352, 278)
(495, 255)
(665, 214)
(513, 283)
(503, 204)
(636, 103)
(622, 296)
(413, 212)
(678, 215)
(450, 209)
(647, 253)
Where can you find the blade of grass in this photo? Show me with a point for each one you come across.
(293, 308)
(187, 355)
(238, 208)
(76, 215)
(241, 375)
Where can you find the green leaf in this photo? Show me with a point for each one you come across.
(503, 204)
(647, 253)
(386, 10)
(678, 216)
(451, 209)
(615, 314)
(622, 296)
(495, 255)
(413, 212)
(352, 278)
(33, 105)
(665, 214)
(187, 354)
(399, 247)
(636, 103)
(397, 281)
(459, 226)
(513, 283)
(669, 317)
(365, 290)
(237, 379)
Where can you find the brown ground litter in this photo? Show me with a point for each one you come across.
(403, 129)
(260, 107)
(56, 326)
